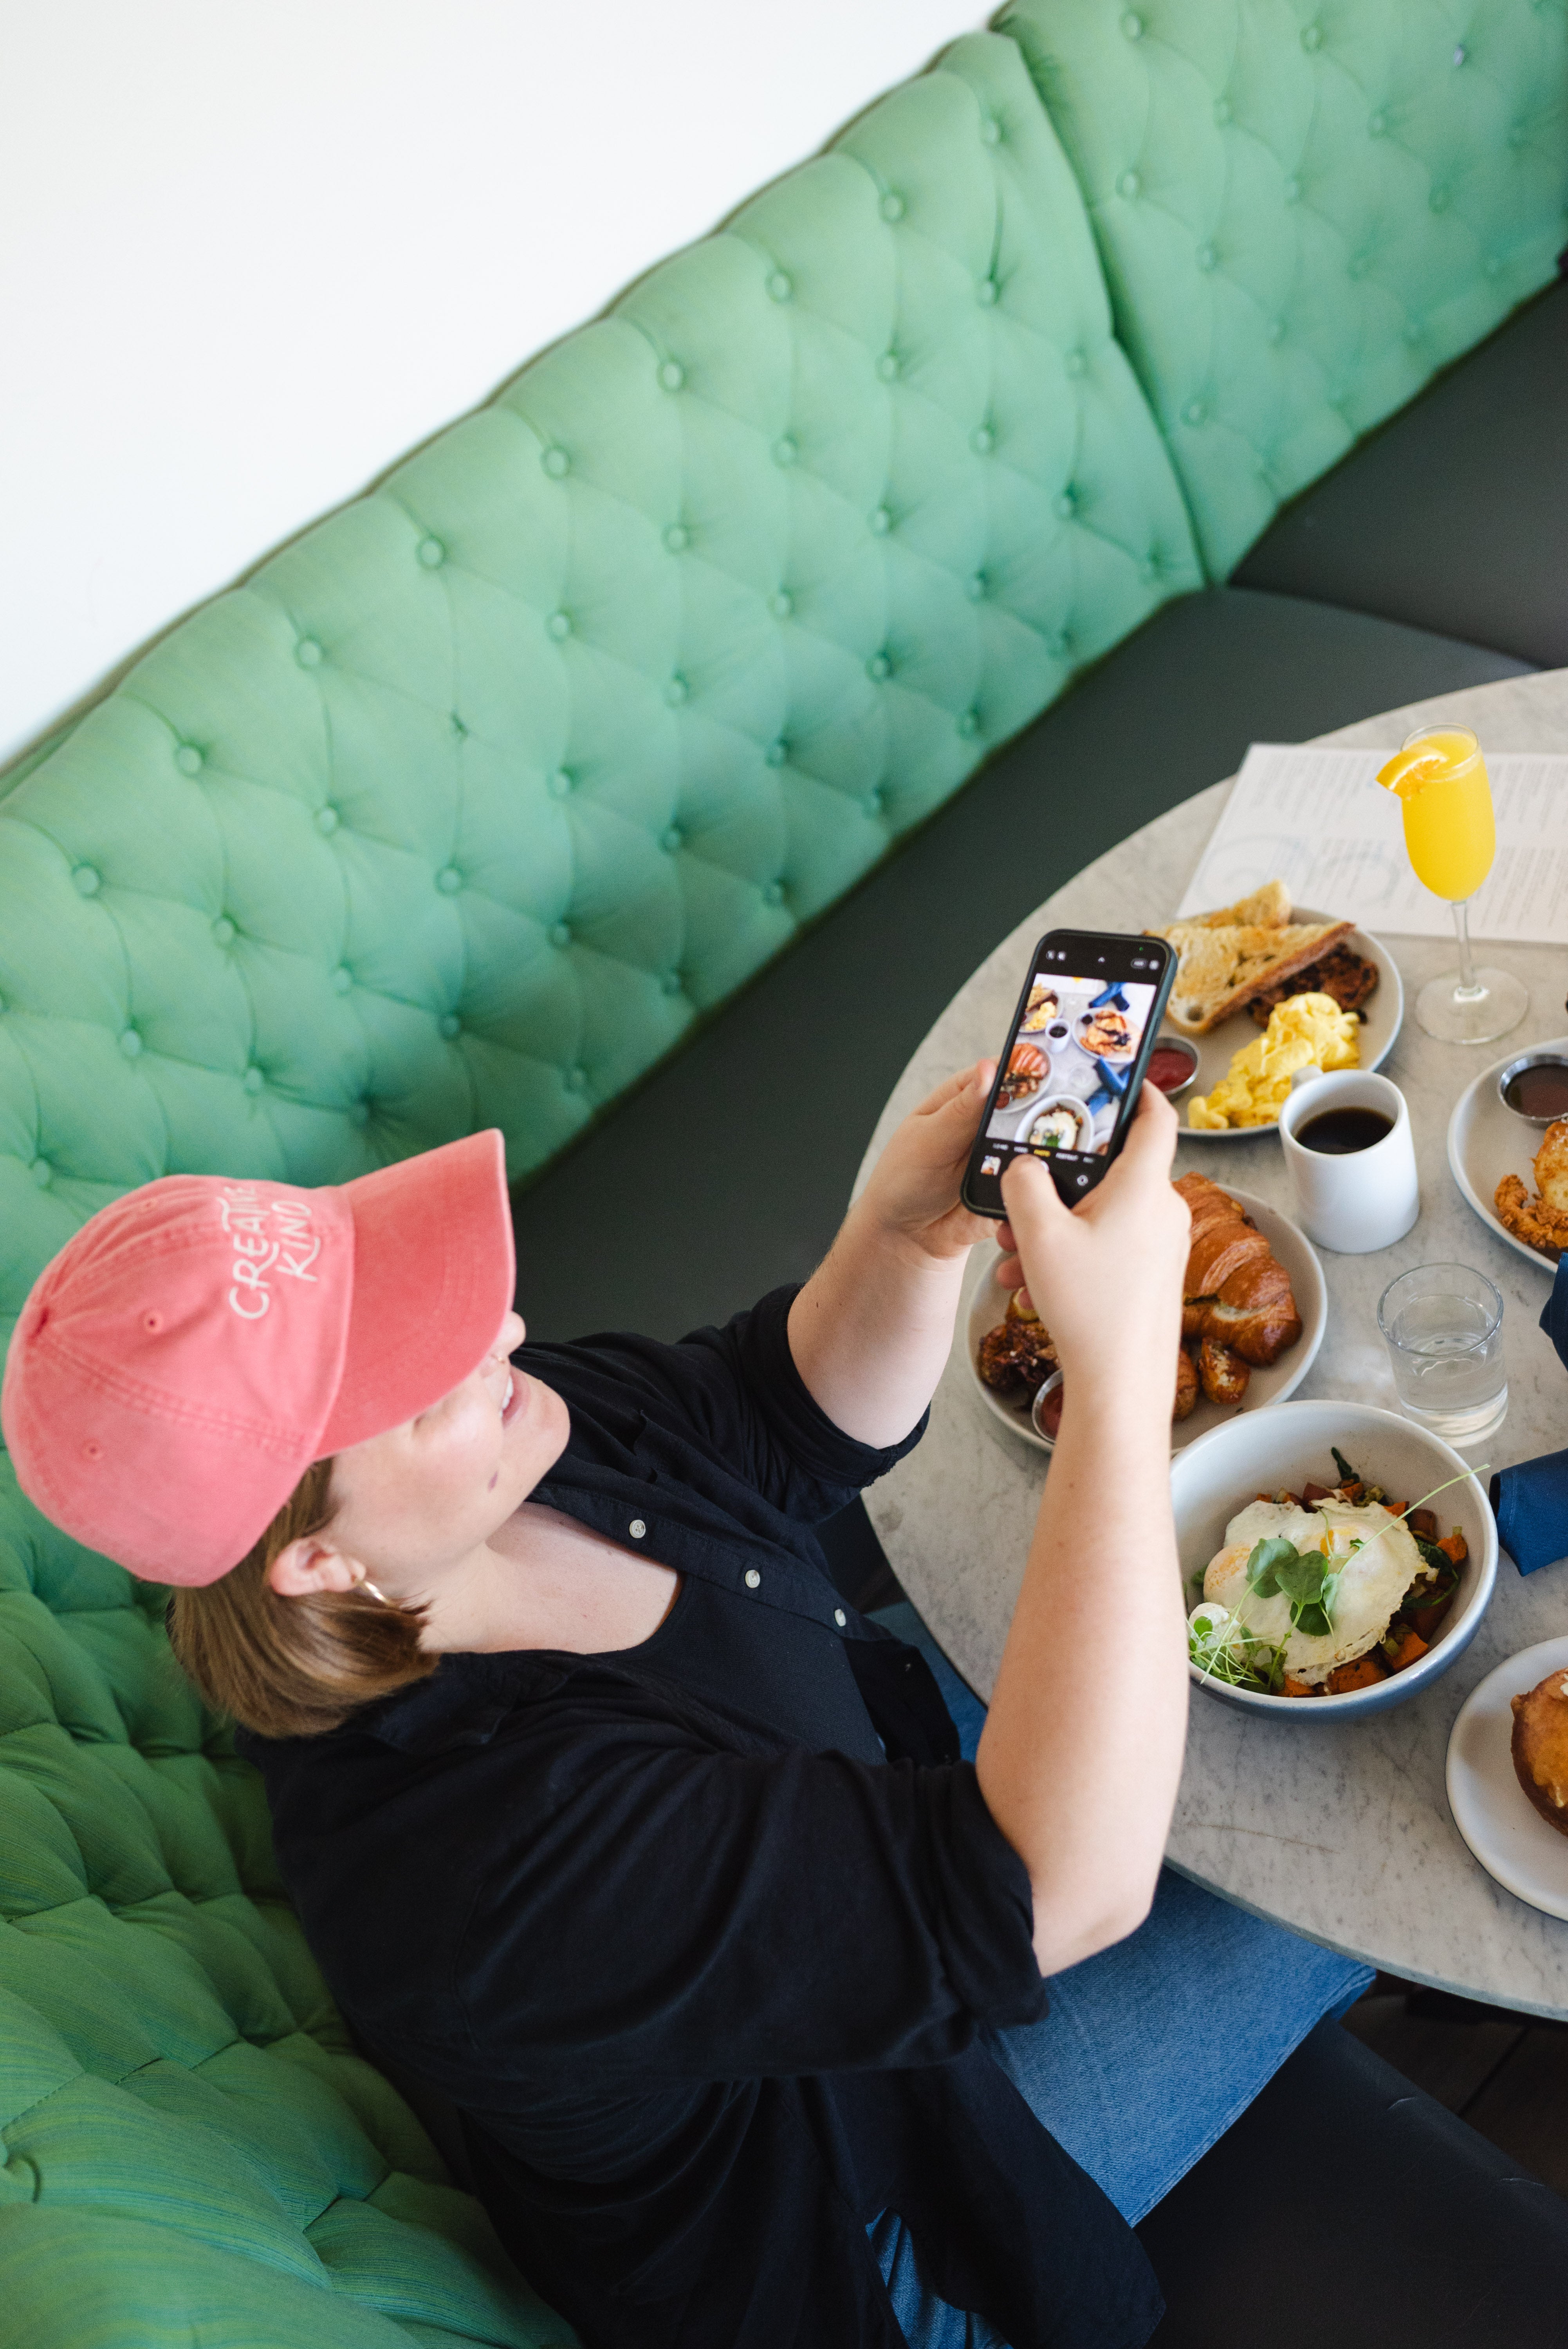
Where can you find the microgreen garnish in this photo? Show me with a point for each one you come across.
(1307, 1578)
(1223, 1649)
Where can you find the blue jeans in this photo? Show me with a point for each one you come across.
(1151, 2049)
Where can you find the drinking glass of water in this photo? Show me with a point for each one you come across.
(1443, 1327)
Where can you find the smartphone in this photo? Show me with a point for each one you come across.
(1068, 1080)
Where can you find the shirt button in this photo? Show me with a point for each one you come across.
(637, 1529)
(840, 1617)
(753, 1579)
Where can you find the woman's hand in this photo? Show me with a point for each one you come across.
(1105, 1276)
(913, 1191)
(871, 1329)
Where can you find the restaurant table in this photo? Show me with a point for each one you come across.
(1340, 1830)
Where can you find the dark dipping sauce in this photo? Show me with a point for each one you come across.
(1338, 1132)
(1169, 1066)
(1540, 1090)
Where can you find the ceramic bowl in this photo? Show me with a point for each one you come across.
(1284, 1448)
(1044, 1102)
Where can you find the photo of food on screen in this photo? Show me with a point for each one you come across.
(1067, 1074)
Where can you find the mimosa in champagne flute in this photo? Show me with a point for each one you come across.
(1450, 838)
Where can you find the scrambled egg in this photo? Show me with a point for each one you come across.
(1303, 1031)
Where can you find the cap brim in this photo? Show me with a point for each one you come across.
(434, 1279)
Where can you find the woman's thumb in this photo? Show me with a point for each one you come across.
(1033, 1203)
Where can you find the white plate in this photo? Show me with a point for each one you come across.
(1490, 1808)
(1385, 1010)
(986, 1302)
(1112, 1059)
(1024, 1106)
(1033, 1035)
(1486, 1142)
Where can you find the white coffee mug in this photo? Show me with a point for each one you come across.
(1364, 1199)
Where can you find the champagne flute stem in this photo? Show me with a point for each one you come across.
(1467, 986)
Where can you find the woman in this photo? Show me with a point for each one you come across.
(607, 1816)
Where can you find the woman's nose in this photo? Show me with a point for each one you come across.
(514, 1329)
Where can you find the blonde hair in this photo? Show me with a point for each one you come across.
(294, 1667)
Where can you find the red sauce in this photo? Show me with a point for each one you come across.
(1051, 1413)
(1169, 1066)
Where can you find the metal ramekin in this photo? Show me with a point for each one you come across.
(1511, 1069)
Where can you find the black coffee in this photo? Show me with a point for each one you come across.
(1338, 1132)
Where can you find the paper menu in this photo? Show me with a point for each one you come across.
(1317, 819)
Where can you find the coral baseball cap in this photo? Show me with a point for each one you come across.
(198, 1343)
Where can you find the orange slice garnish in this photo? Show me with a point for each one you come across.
(1410, 771)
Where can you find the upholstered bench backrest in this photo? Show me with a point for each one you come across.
(1305, 207)
(463, 806)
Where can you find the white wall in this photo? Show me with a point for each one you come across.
(251, 250)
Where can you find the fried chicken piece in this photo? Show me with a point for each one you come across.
(1552, 1166)
(1349, 978)
(1542, 1227)
(1017, 1353)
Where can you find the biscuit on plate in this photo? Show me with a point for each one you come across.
(1541, 1747)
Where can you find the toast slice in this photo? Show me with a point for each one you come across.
(1268, 908)
(1224, 964)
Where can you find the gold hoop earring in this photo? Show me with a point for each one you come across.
(365, 1584)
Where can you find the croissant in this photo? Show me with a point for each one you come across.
(1237, 1294)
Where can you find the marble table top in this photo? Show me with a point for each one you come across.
(1341, 1831)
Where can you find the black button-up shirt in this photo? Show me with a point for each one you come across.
(707, 1981)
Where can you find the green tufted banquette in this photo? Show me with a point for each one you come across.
(193, 2153)
(1305, 209)
(460, 808)
(458, 812)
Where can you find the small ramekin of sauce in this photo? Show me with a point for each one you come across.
(1535, 1087)
(1172, 1065)
(1045, 1411)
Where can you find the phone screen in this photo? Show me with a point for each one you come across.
(1069, 1076)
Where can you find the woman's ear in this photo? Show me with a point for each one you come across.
(309, 1565)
